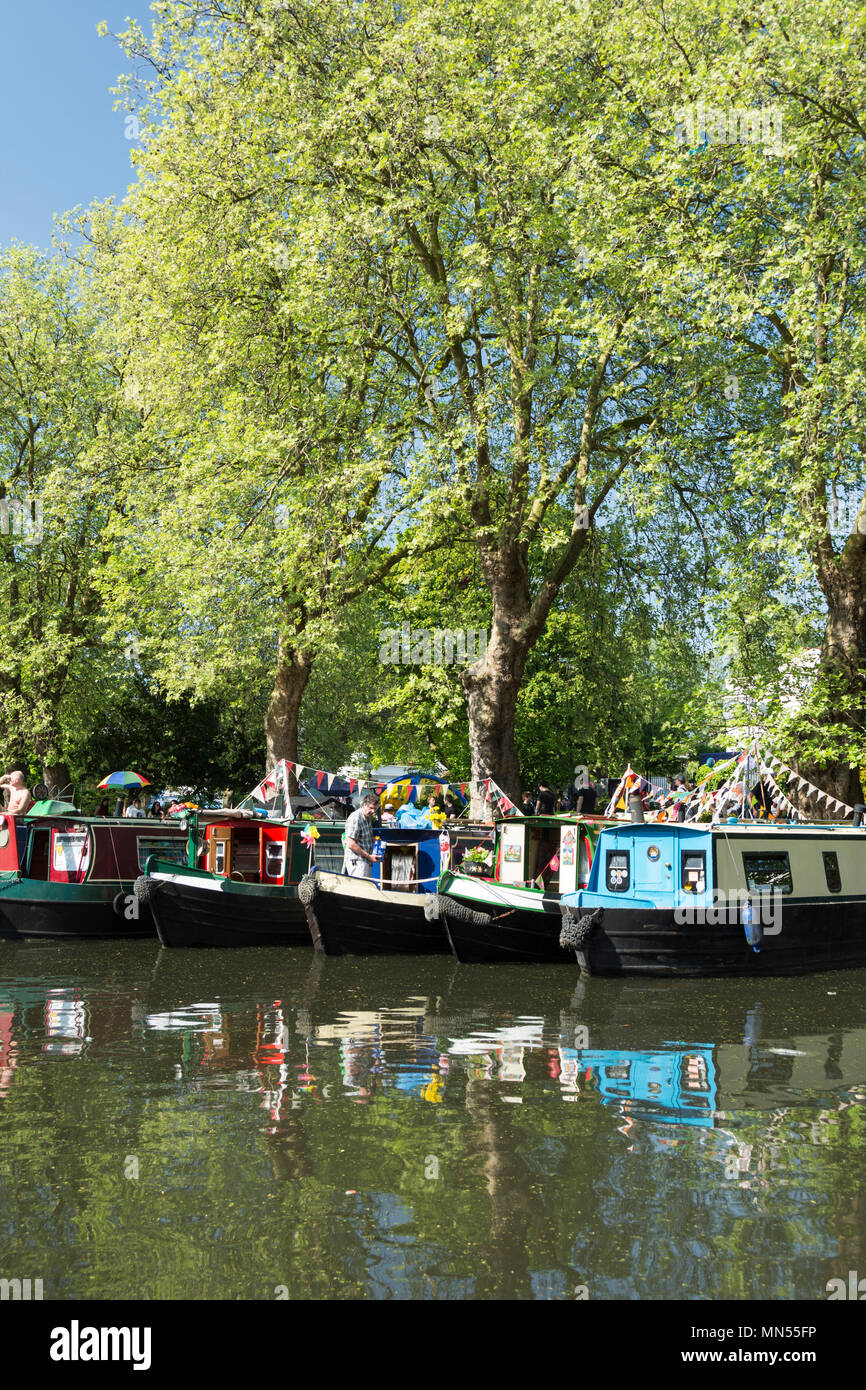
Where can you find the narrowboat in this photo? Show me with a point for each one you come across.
(729, 899)
(70, 875)
(509, 909)
(388, 912)
(244, 892)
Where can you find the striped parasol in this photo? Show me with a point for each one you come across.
(123, 781)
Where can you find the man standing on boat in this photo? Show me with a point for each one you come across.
(20, 799)
(546, 803)
(359, 839)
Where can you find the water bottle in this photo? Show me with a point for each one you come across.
(378, 850)
(750, 926)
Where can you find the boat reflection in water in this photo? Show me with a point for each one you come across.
(399, 1130)
(678, 1086)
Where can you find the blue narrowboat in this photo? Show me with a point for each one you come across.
(730, 899)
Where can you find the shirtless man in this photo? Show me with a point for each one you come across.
(20, 799)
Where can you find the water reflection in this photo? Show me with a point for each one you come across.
(393, 1129)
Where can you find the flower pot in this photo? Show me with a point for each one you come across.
(474, 869)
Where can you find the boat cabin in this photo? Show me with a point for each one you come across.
(666, 866)
(65, 849)
(412, 860)
(269, 852)
(552, 852)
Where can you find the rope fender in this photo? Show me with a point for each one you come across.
(308, 888)
(144, 889)
(576, 931)
(440, 905)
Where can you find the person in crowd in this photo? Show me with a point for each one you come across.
(102, 808)
(388, 817)
(134, 810)
(435, 814)
(761, 800)
(452, 810)
(546, 802)
(675, 798)
(359, 857)
(20, 798)
(527, 805)
(584, 803)
(156, 811)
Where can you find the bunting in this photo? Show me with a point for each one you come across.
(808, 788)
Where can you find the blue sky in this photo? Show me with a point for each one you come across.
(61, 142)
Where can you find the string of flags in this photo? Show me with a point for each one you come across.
(774, 765)
(771, 769)
(743, 771)
(324, 780)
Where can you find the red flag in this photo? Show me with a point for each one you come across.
(320, 777)
(352, 785)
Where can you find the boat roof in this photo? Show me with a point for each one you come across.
(741, 828)
(553, 820)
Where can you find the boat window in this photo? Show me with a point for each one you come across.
(274, 859)
(831, 871)
(617, 871)
(220, 857)
(694, 868)
(766, 872)
(163, 848)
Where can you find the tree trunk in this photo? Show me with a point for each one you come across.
(57, 779)
(492, 686)
(281, 721)
(843, 659)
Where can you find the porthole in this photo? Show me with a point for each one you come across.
(653, 853)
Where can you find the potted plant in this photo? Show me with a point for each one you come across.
(477, 861)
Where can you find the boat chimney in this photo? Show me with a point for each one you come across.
(635, 806)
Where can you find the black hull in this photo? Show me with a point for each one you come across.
(813, 937)
(73, 920)
(187, 916)
(527, 938)
(347, 925)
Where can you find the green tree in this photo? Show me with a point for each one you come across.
(62, 423)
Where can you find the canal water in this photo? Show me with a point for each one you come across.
(264, 1124)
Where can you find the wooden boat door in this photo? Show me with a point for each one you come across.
(219, 850)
